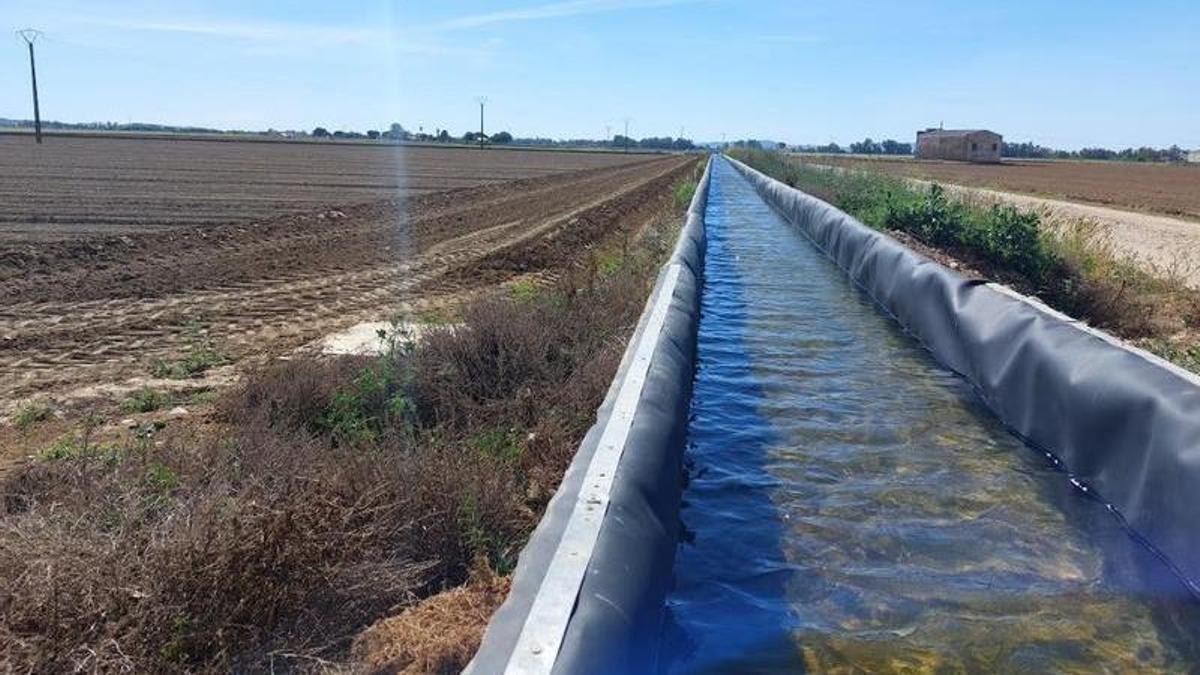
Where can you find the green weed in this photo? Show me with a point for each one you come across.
(683, 193)
(498, 443)
(64, 448)
(524, 290)
(610, 263)
(375, 401)
(161, 478)
(77, 447)
(201, 355)
(146, 400)
(31, 414)
(203, 397)
(197, 360)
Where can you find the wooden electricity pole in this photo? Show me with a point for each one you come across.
(30, 36)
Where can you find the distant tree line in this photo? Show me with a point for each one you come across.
(1143, 154)
(1016, 150)
(398, 133)
(112, 126)
(395, 133)
(867, 146)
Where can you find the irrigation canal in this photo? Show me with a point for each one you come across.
(852, 506)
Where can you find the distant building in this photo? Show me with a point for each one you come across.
(1194, 156)
(964, 145)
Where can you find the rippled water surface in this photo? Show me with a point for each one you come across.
(854, 508)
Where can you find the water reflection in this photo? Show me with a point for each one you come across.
(903, 528)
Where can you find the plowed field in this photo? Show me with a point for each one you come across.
(72, 186)
(84, 308)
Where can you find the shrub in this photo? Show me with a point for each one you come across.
(933, 219)
(1013, 238)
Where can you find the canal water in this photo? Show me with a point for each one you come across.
(852, 507)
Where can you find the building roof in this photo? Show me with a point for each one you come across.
(956, 133)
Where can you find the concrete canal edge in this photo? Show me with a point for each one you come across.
(1123, 423)
(587, 594)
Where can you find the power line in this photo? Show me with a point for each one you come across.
(30, 36)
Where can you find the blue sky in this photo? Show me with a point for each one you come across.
(1065, 74)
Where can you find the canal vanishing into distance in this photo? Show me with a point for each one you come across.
(852, 506)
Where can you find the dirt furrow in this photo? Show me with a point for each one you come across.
(317, 286)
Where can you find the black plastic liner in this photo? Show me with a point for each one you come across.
(619, 607)
(1123, 423)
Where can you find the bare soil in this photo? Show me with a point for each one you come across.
(98, 309)
(1159, 188)
(72, 186)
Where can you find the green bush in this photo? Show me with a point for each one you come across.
(933, 219)
(1013, 238)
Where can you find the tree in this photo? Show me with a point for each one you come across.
(373, 135)
(320, 132)
(443, 136)
(502, 138)
(656, 143)
(891, 147)
(397, 132)
(866, 147)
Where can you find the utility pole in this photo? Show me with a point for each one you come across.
(626, 134)
(31, 36)
(482, 102)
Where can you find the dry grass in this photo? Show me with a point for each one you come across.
(437, 635)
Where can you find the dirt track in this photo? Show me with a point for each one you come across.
(99, 310)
